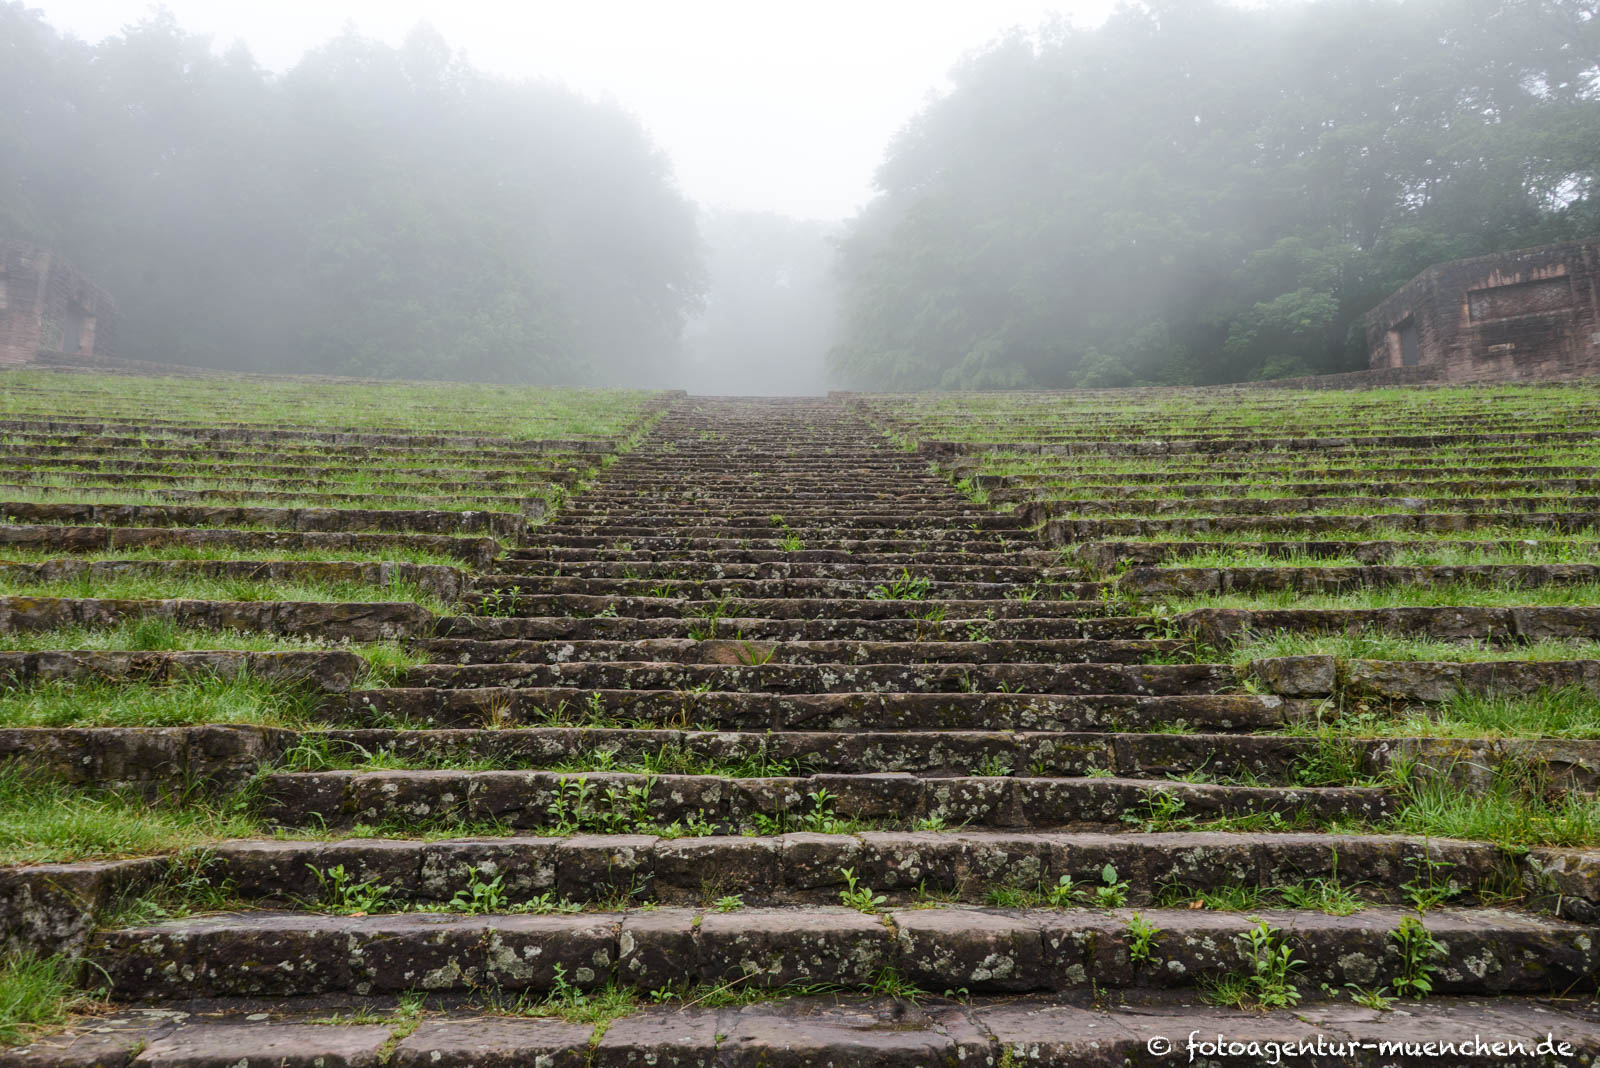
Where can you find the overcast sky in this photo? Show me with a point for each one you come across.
(761, 106)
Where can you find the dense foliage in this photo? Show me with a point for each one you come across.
(1198, 193)
(373, 211)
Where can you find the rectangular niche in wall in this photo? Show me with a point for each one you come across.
(1521, 298)
(1405, 337)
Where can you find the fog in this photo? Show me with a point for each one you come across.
(760, 107)
(737, 198)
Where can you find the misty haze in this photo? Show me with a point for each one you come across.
(1180, 193)
(712, 534)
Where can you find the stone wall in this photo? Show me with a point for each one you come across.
(46, 305)
(1529, 314)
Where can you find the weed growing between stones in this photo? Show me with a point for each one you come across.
(1266, 982)
(1142, 939)
(342, 894)
(905, 587)
(709, 616)
(1335, 761)
(1366, 998)
(859, 897)
(1328, 895)
(1417, 950)
(602, 1005)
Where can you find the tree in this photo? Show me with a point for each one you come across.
(374, 211)
(1194, 192)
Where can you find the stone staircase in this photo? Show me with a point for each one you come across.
(776, 733)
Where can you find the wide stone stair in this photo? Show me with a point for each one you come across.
(774, 708)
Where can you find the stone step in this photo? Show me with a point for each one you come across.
(573, 604)
(1247, 758)
(1416, 473)
(808, 1031)
(746, 628)
(1409, 681)
(1042, 510)
(1224, 626)
(1254, 442)
(323, 670)
(494, 524)
(772, 678)
(674, 543)
(1197, 581)
(546, 556)
(836, 531)
(356, 621)
(446, 583)
(722, 651)
(1059, 532)
(221, 478)
(1108, 555)
(475, 552)
(616, 802)
(798, 511)
(982, 951)
(518, 706)
(59, 429)
(780, 566)
(779, 588)
(1114, 486)
(137, 461)
(809, 494)
(908, 867)
(527, 507)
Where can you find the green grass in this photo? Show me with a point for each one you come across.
(1022, 417)
(450, 408)
(150, 634)
(396, 553)
(1572, 712)
(180, 497)
(43, 821)
(1518, 809)
(1504, 532)
(37, 994)
(143, 704)
(200, 588)
(1515, 552)
(1378, 645)
(317, 753)
(1438, 594)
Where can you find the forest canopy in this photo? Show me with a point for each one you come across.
(372, 211)
(1194, 192)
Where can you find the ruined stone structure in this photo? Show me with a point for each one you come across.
(1533, 313)
(46, 305)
